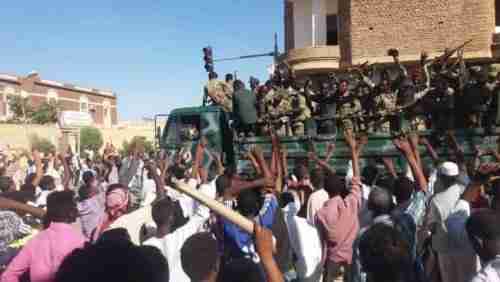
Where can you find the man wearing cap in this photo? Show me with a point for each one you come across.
(455, 265)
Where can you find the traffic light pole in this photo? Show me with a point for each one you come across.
(270, 54)
(209, 60)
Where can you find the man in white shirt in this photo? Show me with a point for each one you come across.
(455, 264)
(171, 234)
(484, 233)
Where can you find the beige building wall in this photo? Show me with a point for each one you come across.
(17, 136)
(413, 26)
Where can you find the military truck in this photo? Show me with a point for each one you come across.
(214, 123)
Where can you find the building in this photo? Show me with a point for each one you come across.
(324, 35)
(101, 105)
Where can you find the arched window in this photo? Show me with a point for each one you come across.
(84, 104)
(52, 96)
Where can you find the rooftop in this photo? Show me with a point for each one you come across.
(57, 84)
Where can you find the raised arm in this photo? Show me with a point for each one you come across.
(67, 172)
(159, 183)
(264, 246)
(459, 153)
(198, 158)
(352, 144)
(8, 204)
(254, 162)
(404, 146)
(414, 140)
(430, 150)
(389, 165)
(39, 168)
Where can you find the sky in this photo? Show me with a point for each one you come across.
(148, 52)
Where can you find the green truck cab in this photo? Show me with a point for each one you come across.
(213, 123)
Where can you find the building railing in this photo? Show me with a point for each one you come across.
(312, 54)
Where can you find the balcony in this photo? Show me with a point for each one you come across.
(313, 59)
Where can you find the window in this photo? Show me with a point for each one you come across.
(84, 104)
(332, 28)
(497, 12)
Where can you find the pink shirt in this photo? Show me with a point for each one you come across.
(338, 223)
(43, 254)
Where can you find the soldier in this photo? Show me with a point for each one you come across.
(349, 108)
(245, 111)
(386, 105)
(492, 112)
(326, 101)
(218, 92)
(301, 113)
(279, 113)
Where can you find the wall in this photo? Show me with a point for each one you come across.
(17, 136)
(413, 26)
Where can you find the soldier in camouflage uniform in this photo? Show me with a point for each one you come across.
(219, 92)
(301, 113)
(278, 114)
(348, 108)
(385, 105)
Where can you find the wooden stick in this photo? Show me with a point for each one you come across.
(236, 218)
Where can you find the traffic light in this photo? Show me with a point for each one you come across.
(209, 59)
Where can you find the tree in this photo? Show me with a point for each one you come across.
(20, 107)
(90, 139)
(41, 144)
(46, 113)
(140, 143)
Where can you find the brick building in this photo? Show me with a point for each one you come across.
(101, 105)
(325, 35)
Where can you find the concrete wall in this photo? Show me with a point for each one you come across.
(16, 136)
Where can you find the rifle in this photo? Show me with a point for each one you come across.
(448, 53)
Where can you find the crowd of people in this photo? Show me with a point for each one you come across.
(123, 217)
(441, 93)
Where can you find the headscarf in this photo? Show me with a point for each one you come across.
(116, 203)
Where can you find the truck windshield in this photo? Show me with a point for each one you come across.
(181, 128)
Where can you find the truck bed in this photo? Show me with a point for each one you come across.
(379, 145)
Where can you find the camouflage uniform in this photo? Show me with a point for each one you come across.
(220, 93)
(386, 104)
(346, 110)
(302, 113)
(278, 114)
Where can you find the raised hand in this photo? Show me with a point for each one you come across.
(349, 139)
(402, 144)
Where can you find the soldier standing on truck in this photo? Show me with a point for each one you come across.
(301, 113)
(326, 100)
(278, 116)
(219, 92)
(348, 108)
(245, 110)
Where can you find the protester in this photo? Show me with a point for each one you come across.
(43, 255)
(338, 220)
(455, 265)
(484, 233)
